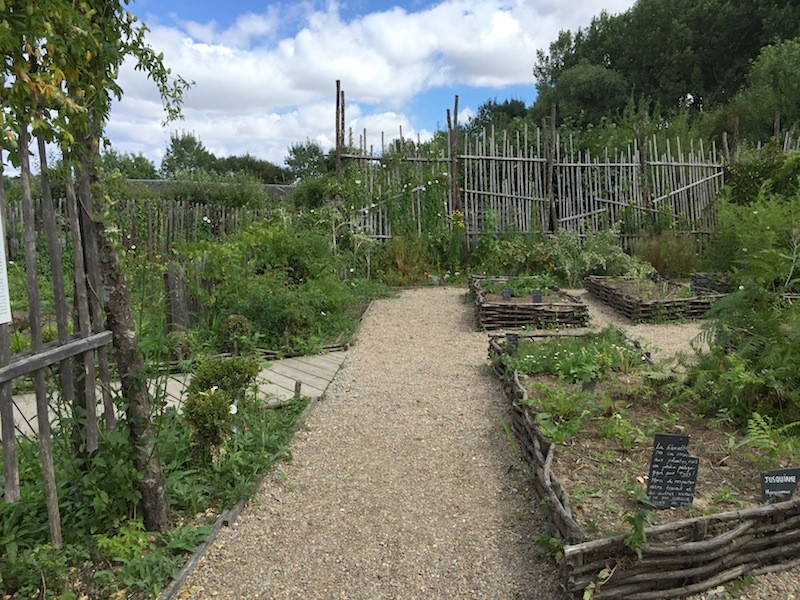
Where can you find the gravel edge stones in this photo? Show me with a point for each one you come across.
(403, 483)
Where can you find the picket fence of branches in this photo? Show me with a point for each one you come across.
(534, 181)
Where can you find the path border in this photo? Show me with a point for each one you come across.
(227, 517)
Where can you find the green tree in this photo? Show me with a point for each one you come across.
(186, 154)
(263, 170)
(772, 93)
(506, 115)
(308, 159)
(129, 165)
(61, 60)
(585, 93)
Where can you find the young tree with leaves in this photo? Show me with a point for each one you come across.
(59, 76)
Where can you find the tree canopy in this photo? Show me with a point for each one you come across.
(673, 53)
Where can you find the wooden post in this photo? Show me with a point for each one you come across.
(456, 200)
(640, 132)
(550, 156)
(88, 394)
(40, 386)
(339, 131)
(89, 410)
(10, 464)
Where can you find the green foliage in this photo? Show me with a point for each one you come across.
(107, 553)
(550, 546)
(127, 164)
(307, 160)
(771, 97)
(202, 186)
(561, 413)
(500, 252)
(764, 435)
(636, 540)
(617, 427)
(232, 375)
(285, 280)
(313, 191)
(599, 254)
(522, 286)
(576, 358)
(670, 253)
(209, 415)
(237, 333)
(758, 241)
(403, 261)
(669, 53)
(185, 154)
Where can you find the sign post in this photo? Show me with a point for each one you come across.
(673, 472)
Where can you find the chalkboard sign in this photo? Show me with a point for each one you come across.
(673, 473)
(506, 294)
(536, 296)
(779, 484)
(513, 341)
(702, 281)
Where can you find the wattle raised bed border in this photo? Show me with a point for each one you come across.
(570, 311)
(680, 558)
(638, 310)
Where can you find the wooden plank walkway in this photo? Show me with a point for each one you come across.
(277, 379)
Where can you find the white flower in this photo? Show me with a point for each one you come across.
(741, 287)
(352, 269)
(233, 410)
(133, 246)
(323, 313)
(358, 182)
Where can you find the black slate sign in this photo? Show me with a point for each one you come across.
(506, 294)
(673, 472)
(536, 296)
(779, 484)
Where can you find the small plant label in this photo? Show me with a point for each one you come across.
(513, 341)
(506, 294)
(536, 296)
(673, 472)
(779, 484)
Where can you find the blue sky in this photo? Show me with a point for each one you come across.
(264, 72)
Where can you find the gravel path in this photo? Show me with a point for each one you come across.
(403, 483)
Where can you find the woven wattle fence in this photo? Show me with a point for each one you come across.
(566, 311)
(639, 310)
(680, 558)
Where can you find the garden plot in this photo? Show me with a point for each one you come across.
(584, 418)
(644, 300)
(508, 303)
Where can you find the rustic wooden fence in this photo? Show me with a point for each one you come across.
(154, 224)
(76, 361)
(520, 186)
(532, 180)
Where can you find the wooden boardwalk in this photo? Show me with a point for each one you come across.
(279, 377)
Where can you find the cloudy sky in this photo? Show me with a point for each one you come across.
(265, 72)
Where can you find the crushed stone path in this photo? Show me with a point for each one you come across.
(403, 483)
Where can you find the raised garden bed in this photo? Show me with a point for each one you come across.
(556, 309)
(642, 300)
(688, 551)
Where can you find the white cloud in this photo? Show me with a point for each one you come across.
(258, 89)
